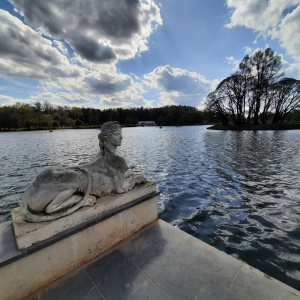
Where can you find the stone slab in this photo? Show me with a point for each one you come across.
(28, 234)
(8, 246)
(162, 262)
(77, 286)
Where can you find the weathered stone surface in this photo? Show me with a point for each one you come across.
(147, 212)
(28, 234)
(23, 277)
(96, 239)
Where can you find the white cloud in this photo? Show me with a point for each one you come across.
(131, 97)
(61, 47)
(247, 49)
(10, 101)
(234, 62)
(289, 33)
(277, 19)
(62, 98)
(291, 70)
(94, 87)
(99, 31)
(124, 100)
(179, 86)
(24, 53)
(61, 79)
(252, 14)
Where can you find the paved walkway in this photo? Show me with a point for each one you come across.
(163, 262)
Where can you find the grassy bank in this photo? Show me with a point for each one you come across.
(284, 126)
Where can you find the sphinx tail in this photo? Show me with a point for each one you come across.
(35, 217)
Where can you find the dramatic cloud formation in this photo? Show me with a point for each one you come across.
(130, 98)
(108, 84)
(24, 53)
(278, 19)
(178, 86)
(99, 31)
(95, 53)
(72, 48)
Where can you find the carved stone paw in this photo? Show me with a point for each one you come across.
(140, 179)
(90, 201)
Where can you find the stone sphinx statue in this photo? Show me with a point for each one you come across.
(58, 191)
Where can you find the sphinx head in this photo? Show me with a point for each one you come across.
(110, 137)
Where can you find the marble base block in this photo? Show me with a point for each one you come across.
(59, 247)
(28, 234)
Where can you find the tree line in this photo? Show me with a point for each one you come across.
(257, 93)
(45, 115)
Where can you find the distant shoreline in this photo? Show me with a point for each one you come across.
(284, 126)
(47, 129)
(90, 127)
(255, 127)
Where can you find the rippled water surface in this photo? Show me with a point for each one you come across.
(238, 191)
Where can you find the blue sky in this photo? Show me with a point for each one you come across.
(132, 53)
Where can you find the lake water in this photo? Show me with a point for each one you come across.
(237, 191)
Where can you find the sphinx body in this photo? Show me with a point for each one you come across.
(58, 191)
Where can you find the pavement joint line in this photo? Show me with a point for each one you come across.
(93, 284)
(203, 288)
(137, 287)
(235, 277)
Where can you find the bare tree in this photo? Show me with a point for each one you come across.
(233, 92)
(262, 70)
(285, 95)
(218, 106)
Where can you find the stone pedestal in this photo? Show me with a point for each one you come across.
(29, 234)
(46, 251)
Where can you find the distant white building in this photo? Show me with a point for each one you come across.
(146, 123)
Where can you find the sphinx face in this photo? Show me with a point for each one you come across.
(116, 138)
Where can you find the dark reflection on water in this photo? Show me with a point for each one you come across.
(253, 182)
(238, 191)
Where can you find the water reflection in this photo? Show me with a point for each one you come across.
(238, 191)
(255, 190)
